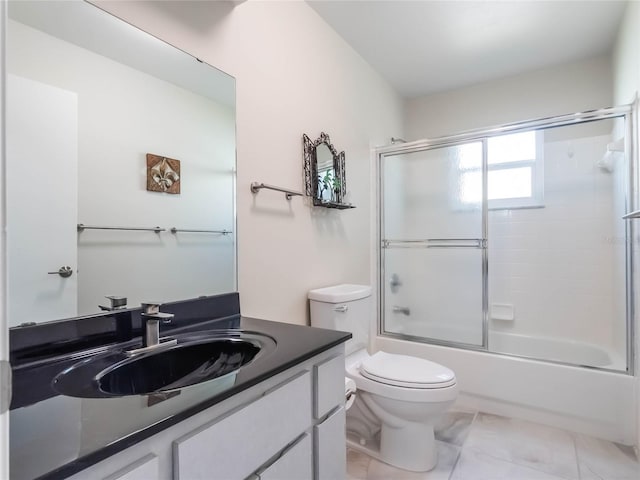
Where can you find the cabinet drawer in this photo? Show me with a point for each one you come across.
(144, 469)
(331, 447)
(294, 464)
(329, 385)
(237, 445)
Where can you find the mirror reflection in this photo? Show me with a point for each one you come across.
(326, 174)
(97, 111)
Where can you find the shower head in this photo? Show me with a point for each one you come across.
(606, 163)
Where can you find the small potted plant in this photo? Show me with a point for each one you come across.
(335, 189)
(330, 184)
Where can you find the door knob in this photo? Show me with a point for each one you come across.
(64, 272)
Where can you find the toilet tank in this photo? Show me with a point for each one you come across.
(344, 307)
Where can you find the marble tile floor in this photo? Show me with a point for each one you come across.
(480, 446)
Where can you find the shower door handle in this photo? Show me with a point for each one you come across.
(456, 243)
(480, 243)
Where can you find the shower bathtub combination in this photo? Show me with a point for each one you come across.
(506, 255)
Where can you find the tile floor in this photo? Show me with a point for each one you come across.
(480, 446)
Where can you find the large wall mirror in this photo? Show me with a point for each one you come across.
(88, 98)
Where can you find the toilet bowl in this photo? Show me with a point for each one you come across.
(400, 396)
(406, 411)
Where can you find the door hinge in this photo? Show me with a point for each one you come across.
(5, 386)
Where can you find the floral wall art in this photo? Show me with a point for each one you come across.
(163, 174)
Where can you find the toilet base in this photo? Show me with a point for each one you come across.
(412, 447)
(427, 457)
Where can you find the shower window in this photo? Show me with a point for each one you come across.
(515, 172)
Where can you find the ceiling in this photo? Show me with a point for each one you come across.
(427, 46)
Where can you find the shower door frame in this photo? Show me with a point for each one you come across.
(631, 201)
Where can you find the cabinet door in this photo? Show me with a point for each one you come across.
(329, 383)
(331, 447)
(294, 464)
(237, 445)
(147, 468)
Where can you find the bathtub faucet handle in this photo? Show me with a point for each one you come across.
(404, 310)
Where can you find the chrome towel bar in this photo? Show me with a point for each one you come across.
(188, 230)
(82, 227)
(256, 187)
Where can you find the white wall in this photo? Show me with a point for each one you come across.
(574, 87)
(294, 75)
(626, 67)
(125, 114)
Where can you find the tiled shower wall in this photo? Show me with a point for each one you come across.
(557, 265)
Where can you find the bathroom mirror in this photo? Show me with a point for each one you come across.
(103, 121)
(325, 178)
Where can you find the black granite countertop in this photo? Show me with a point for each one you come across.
(54, 436)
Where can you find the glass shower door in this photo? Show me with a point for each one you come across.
(433, 239)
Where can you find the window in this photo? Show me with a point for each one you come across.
(515, 172)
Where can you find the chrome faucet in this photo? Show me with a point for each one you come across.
(150, 318)
(115, 303)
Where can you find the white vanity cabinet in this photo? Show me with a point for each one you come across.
(288, 427)
(144, 469)
(296, 462)
(253, 431)
(329, 456)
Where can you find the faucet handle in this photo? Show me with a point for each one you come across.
(164, 317)
(115, 302)
(151, 308)
(151, 311)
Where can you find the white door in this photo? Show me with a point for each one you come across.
(42, 200)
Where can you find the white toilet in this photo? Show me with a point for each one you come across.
(400, 396)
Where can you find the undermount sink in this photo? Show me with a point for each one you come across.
(194, 359)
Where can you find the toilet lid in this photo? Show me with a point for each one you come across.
(405, 371)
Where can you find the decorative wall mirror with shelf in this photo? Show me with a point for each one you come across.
(324, 172)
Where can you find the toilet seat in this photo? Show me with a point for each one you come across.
(405, 371)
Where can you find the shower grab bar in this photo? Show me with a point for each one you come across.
(480, 243)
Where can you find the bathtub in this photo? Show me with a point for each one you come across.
(556, 350)
(540, 348)
(584, 400)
